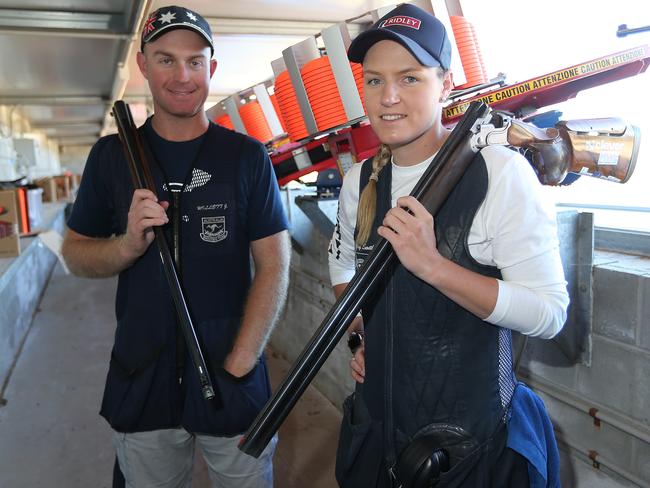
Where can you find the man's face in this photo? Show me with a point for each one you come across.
(402, 96)
(178, 68)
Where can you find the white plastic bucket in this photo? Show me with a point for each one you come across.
(35, 207)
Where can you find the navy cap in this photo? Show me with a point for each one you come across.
(418, 31)
(172, 17)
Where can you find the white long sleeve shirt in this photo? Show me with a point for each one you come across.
(514, 230)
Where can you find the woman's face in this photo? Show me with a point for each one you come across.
(402, 96)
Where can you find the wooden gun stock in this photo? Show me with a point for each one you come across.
(602, 148)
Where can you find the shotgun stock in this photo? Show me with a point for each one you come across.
(602, 148)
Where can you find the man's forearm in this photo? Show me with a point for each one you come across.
(95, 258)
(266, 298)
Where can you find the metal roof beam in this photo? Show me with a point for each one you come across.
(52, 100)
(86, 128)
(135, 13)
(243, 26)
(75, 140)
(62, 23)
(56, 124)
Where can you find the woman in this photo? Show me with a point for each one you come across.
(436, 395)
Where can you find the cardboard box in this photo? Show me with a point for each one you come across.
(49, 188)
(9, 239)
(63, 190)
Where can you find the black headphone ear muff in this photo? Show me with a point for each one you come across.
(420, 463)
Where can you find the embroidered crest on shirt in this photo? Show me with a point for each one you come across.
(213, 229)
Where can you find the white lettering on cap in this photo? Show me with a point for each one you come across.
(402, 20)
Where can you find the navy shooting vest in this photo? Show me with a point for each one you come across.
(428, 360)
(143, 389)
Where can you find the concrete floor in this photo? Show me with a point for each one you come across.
(51, 434)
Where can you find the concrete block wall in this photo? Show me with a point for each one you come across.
(310, 298)
(610, 447)
(602, 411)
(22, 280)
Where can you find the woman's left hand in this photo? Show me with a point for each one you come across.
(409, 229)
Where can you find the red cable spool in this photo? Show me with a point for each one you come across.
(470, 56)
(289, 108)
(254, 121)
(225, 121)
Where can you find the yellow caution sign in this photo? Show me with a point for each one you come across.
(557, 78)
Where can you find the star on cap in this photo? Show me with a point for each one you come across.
(167, 18)
(191, 16)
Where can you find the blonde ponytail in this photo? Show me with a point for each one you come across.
(368, 198)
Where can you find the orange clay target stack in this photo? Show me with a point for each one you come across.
(311, 113)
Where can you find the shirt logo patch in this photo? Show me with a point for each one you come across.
(213, 229)
(361, 254)
(402, 20)
(199, 178)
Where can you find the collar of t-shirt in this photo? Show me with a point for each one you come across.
(173, 157)
(404, 178)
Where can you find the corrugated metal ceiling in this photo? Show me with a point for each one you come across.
(58, 61)
(63, 62)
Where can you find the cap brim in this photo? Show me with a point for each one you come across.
(364, 41)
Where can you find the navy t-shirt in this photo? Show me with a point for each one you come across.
(92, 214)
(229, 198)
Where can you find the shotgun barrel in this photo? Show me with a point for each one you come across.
(143, 178)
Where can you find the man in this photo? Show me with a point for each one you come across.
(218, 202)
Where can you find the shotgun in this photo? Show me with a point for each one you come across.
(605, 148)
(143, 178)
(446, 169)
